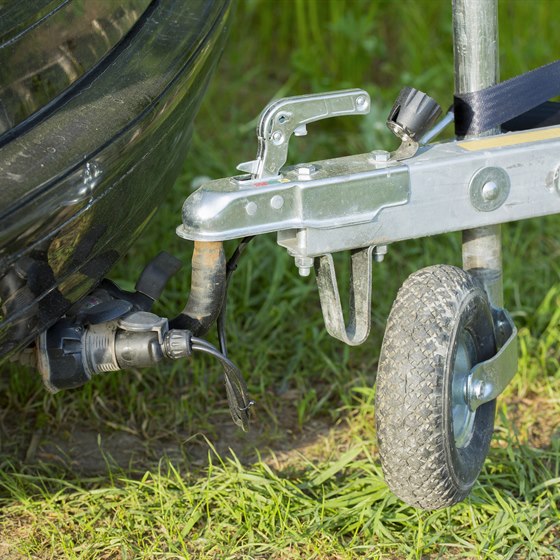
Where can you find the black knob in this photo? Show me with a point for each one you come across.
(413, 114)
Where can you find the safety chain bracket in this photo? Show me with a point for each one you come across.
(357, 329)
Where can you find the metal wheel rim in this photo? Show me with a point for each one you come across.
(462, 415)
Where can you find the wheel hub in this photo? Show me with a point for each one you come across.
(462, 415)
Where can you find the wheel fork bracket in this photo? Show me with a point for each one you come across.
(488, 379)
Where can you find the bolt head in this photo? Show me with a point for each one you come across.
(277, 202)
(304, 265)
(379, 253)
(380, 156)
(251, 208)
(305, 171)
(479, 389)
(490, 191)
(362, 102)
(556, 179)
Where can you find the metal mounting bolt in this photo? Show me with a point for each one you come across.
(501, 326)
(556, 180)
(478, 390)
(304, 264)
(380, 156)
(305, 171)
(379, 253)
(490, 191)
(277, 202)
(489, 188)
(251, 208)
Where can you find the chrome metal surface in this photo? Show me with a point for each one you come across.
(98, 349)
(412, 115)
(438, 128)
(144, 321)
(379, 253)
(357, 202)
(282, 118)
(380, 156)
(304, 265)
(177, 344)
(341, 192)
(488, 379)
(555, 186)
(475, 44)
(489, 188)
(482, 257)
(406, 150)
(140, 339)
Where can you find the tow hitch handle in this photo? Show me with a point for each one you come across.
(290, 115)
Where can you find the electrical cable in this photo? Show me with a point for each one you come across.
(236, 388)
(231, 266)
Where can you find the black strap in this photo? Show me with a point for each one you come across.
(482, 110)
(547, 114)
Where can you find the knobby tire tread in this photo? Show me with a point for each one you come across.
(409, 412)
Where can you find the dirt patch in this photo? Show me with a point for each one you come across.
(87, 452)
(282, 444)
(277, 439)
(90, 453)
(14, 529)
(535, 418)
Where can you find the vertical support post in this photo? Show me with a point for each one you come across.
(475, 42)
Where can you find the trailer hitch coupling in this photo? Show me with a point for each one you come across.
(330, 197)
(363, 203)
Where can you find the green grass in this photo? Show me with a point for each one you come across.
(138, 464)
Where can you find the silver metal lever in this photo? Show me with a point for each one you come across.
(290, 115)
(357, 329)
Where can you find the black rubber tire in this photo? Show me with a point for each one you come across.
(420, 459)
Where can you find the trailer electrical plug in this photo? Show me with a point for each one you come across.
(112, 330)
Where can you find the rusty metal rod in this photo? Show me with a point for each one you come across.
(208, 288)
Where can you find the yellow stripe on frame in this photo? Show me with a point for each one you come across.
(511, 139)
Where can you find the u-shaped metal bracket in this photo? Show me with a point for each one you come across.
(359, 319)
